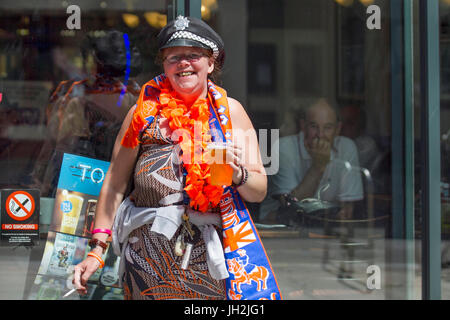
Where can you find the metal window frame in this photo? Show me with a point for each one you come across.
(190, 8)
(408, 45)
(402, 256)
(431, 153)
(402, 67)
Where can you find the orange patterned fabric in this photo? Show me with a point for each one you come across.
(153, 270)
(158, 179)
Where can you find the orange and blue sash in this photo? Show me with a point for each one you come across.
(251, 275)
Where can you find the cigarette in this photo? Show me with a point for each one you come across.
(69, 293)
(24, 203)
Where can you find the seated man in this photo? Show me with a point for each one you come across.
(316, 162)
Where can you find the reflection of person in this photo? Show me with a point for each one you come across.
(353, 127)
(315, 163)
(148, 224)
(84, 116)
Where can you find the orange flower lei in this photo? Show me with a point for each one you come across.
(191, 125)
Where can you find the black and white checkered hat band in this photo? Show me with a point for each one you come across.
(191, 36)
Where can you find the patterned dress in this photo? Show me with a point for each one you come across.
(152, 270)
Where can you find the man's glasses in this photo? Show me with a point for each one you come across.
(191, 57)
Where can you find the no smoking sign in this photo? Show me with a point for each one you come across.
(19, 216)
(20, 205)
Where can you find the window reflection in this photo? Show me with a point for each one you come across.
(65, 87)
(58, 96)
(298, 53)
(84, 116)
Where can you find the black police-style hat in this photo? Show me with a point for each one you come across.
(191, 32)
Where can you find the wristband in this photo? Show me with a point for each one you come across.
(244, 177)
(107, 231)
(96, 256)
(95, 242)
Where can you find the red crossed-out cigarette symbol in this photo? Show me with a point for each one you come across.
(20, 205)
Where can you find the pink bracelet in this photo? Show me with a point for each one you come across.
(107, 231)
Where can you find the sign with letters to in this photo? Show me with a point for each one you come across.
(79, 184)
(19, 216)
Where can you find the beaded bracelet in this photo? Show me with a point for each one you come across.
(95, 242)
(244, 178)
(96, 256)
(107, 231)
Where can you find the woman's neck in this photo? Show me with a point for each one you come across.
(190, 99)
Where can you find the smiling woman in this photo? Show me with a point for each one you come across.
(188, 75)
(162, 146)
(194, 57)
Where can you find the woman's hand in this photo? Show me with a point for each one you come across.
(83, 271)
(234, 159)
(231, 155)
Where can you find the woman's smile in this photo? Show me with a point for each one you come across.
(185, 74)
(187, 69)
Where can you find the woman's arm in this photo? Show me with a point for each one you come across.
(116, 180)
(246, 143)
(111, 195)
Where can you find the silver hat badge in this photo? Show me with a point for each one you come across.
(181, 23)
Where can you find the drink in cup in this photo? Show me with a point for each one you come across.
(70, 209)
(221, 172)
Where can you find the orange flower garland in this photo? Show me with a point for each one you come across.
(191, 125)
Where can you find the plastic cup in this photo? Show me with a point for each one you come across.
(71, 212)
(221, 172)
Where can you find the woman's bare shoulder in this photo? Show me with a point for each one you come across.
(238, 114)
(235, 105)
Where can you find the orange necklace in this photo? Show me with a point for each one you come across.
(191, 126)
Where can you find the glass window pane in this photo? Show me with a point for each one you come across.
(318, 76)
(321, 81)
(69, 73)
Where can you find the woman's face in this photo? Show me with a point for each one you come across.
(187, 69)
